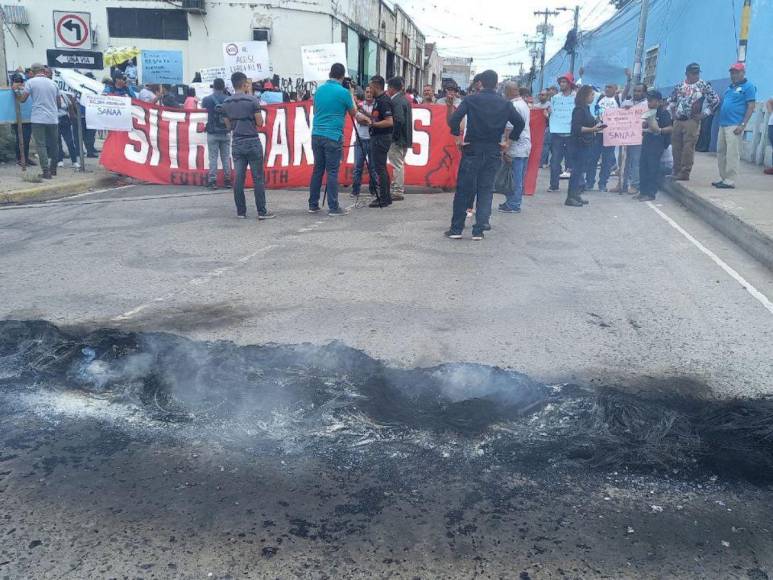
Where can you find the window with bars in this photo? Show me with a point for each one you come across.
(147, 23)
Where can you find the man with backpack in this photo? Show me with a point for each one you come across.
(218, 139)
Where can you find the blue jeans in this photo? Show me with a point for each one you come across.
(559, 151)
(632, 158)
(519, 174)
(545, 159)
(581, 153)
(361, 154)
(607, 156)
(327, 159)
(248, 152)
(475, 179)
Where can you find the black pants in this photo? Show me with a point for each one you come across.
(649, 165)
(66, 135)
(379, 148)
(26, 132)
(475, 183)
(560, 150)
(89, 137)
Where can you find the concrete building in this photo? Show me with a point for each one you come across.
(680, 32)
(379, 39)
(458, 69)
(433, 67)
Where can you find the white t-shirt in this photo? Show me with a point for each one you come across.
(606, 103)
(522, 147)
(364, 130)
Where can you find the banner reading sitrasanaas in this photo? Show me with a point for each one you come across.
(108, 112)
(318, 58)
(624, 127)
(250, 57)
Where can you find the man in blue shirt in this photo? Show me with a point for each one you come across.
(332, 102)
(737, 108)
(120, 87)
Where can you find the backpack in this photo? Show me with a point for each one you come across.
(216, 118)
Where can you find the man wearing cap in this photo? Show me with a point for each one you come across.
(120, 87)
(561, 107)
(691, 101)
(44, 117)
(737, 108)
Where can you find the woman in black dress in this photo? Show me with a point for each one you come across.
(584, 127)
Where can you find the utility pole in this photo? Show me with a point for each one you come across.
(576, 37)
(534, 52)
(743, 40)
(547, 14)
(3, 62)
(639, 56)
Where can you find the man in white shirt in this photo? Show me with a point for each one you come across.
(516, 151)
(604, 103)
(44, 117)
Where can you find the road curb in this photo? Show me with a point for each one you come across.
(756, 243)
(46, 191)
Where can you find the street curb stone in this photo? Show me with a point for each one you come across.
(51, 190)
(756, 243)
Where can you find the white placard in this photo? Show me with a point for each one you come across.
(318, 58)
(208, 76)
(251, 58)
(108, 112)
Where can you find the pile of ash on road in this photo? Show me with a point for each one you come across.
(341, 404)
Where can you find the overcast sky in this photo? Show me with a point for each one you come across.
(493, 31)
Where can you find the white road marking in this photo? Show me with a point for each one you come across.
(88, 193)
(198, 281)
(759, 296)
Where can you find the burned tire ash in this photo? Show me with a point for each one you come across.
(341, 404)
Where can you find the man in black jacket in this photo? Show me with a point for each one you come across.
(487, 116)
(402, 135)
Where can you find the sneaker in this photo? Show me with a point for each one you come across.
(642, 197)
(553, 190)
(478, 236)
(76, 165)
(452, 235)
(266, 216)
(397, 197)
(241, 216)
(60, 164)
(227, 184)
(92, 155)
(314, 209)
(565, 175)
(603, 189)
(504, 208)
(716, 183)
(377, 203)
(573, 202)
(338, 212)
(723, 185)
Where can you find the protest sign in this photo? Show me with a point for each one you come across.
(164, 67)
(318, 58)
(623, 127)
(108, 112)
(561, 107)
(202, 90)
(251, 58)
(208, 76)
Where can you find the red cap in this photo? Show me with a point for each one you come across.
(568, 76)
(268, 86)
(739, 66)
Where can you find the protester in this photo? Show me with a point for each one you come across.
(66, 114)
(410, 96)
(769, 170)
(516, 151)
(561, 107)
(402, 135)
(584, 127)
(244, 117)
(120, 87)
(427, 95)
(543, 103)
(487, 115)
(658, 127)
(218, 139)
(130, 70)
(150, 94)
(737, 108)
(332, 102)
(525, 94)
(606, 102)
(381, 129)
(89, 135)
(362, 146)
(44, 117)
(691, 101)
(638, 100)
(190, 103)
(17, 80)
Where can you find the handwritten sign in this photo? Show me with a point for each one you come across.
(624, 127)
(251, 58)
(108, 112)
(164, 67)
(561, 107)
(318, 58)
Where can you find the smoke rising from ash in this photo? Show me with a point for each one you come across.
(338, 403)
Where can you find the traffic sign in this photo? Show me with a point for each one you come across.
(72, 29)
(84, 59)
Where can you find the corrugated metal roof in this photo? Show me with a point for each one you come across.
(16, 15)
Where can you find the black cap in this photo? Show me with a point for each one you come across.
(693, 67)
(653, 94)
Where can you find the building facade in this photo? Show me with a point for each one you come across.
(457, 69)
(680, 32)
(433, 67)
(379, 39)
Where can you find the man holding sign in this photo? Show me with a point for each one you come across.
(561, 108)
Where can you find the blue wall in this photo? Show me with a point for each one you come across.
(703, 31)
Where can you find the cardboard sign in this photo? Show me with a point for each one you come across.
(163, 67)
(624, 127)
(108, 112)
(251, 58)
(561, 108)
(318, 58)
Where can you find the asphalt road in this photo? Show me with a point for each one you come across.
(167, 456)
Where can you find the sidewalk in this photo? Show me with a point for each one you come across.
(745, 214)
(18, 186)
